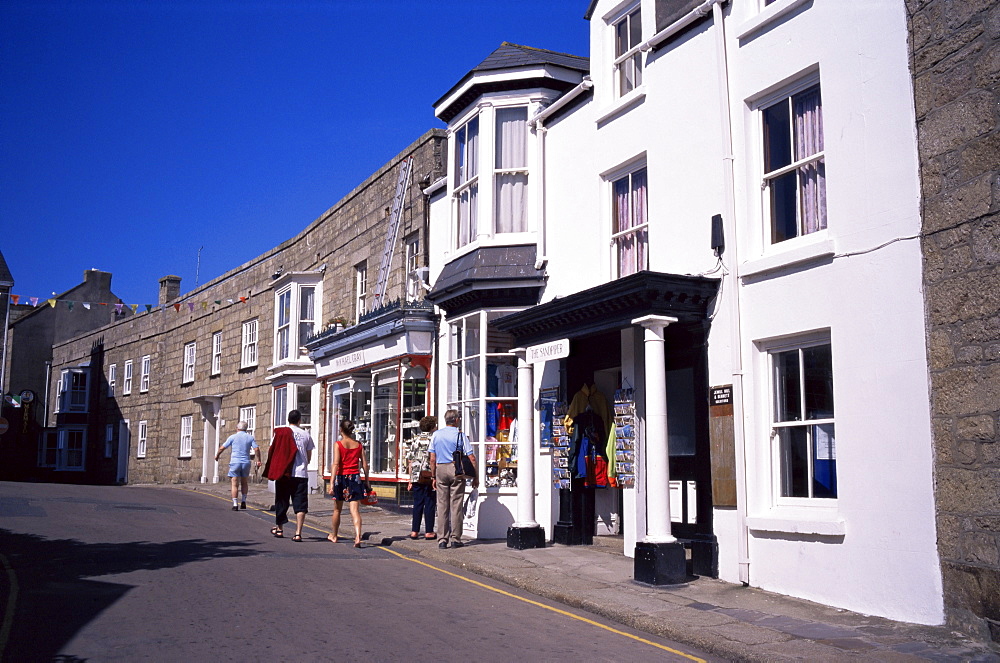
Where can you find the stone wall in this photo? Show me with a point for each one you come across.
(351, 231)
(955, 52)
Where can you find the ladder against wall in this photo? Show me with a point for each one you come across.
(395, 217)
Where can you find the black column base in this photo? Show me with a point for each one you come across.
(660, 563)
(522, 538)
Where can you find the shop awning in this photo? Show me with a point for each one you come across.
(613, 306)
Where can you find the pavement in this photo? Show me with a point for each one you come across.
(727, 620)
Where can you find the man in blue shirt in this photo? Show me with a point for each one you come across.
(239, 462)
(450, 489)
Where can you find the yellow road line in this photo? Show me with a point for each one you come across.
(8, 615)
(508, 594)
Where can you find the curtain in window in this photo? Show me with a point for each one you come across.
(808, 111)
(630, 212)
(511, 153)
(468, 169)
(468, 215)
(623, 221)
(639, 218)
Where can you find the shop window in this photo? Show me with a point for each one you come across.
(794, 182)
(351, 399)
(482, 386)
(802, 429)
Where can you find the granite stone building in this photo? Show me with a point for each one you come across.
(955, 59)
(156, 393)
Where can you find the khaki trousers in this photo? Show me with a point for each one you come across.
(450, 493)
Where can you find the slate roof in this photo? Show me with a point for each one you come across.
(512, 57)
(5, 275)
(500, 275)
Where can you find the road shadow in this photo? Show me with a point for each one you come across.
(46, 596)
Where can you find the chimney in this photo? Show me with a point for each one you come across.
(98, 280)
(170, 289)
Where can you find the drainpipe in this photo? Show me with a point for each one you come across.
(536, 123)
(735, 305)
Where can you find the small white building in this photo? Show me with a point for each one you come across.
(705, 236)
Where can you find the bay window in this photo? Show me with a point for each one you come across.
(511, 170)
(295, 314)
(482, 386)
(71, 449)
(467, 181)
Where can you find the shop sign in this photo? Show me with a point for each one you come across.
(3, 425)
(349, 361)
(547, 351)
(722, 395)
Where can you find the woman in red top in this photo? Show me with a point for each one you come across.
(348, 459)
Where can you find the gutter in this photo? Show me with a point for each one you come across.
(695, 14)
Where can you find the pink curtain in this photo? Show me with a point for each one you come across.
(808, 112)
(630, 212)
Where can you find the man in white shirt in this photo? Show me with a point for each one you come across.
(295, 486)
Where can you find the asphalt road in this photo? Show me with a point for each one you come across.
(107, 573)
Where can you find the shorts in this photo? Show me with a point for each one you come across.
(349, 488)
(241, 470)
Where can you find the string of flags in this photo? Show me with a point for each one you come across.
(120, 306)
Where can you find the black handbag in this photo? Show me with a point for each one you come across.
(463, 464)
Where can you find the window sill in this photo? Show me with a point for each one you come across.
(626, 103)
(811, 252)
(825, 524)
(768, 16)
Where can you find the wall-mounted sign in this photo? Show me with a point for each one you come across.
(349, 361)
(722, 395)
(546, 351)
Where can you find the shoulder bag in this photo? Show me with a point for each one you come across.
(463, 464)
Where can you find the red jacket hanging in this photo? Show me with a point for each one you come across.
(281, 454)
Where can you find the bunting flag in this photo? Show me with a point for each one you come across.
(119, 307)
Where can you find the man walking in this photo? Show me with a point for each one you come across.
(241, 443)
(450, 489)
(287, 465)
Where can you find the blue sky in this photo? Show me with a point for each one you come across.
(133, 134)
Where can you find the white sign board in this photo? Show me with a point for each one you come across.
(546, 351)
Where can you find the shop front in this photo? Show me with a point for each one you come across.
(619, 381)
(377, 374)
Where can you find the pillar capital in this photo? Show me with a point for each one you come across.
(654, 323)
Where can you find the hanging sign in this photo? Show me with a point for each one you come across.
(546, 351)
(3, 425)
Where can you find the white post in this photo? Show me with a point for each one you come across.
(657, 452)
(525, 441)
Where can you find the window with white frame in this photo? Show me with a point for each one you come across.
(189, 356)
(630, 223)
(187, 421)
(297, 304)
(802, 428)
(140, 447)
(127, 380)
(283, 324)
(109, 440)
(74, 390)
(307, 313)
(794, 181)
(628, 58)
(249, 415)
(510, 157)
(112, 379)
(360, 290)
(145, 365)
(216, 353)
(467, 182)
(248, 349)
(72, 448)
(280, 408)
(482, 386)
(412, 244)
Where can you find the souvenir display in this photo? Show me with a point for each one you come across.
(625, 446)
(559, 443)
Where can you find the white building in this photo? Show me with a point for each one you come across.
(776, 353)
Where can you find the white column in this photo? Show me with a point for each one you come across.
(657, 459)
(525, 441)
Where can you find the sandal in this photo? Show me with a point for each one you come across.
(277, 533)
(414, 536)
(430, 537)
(297, 538)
